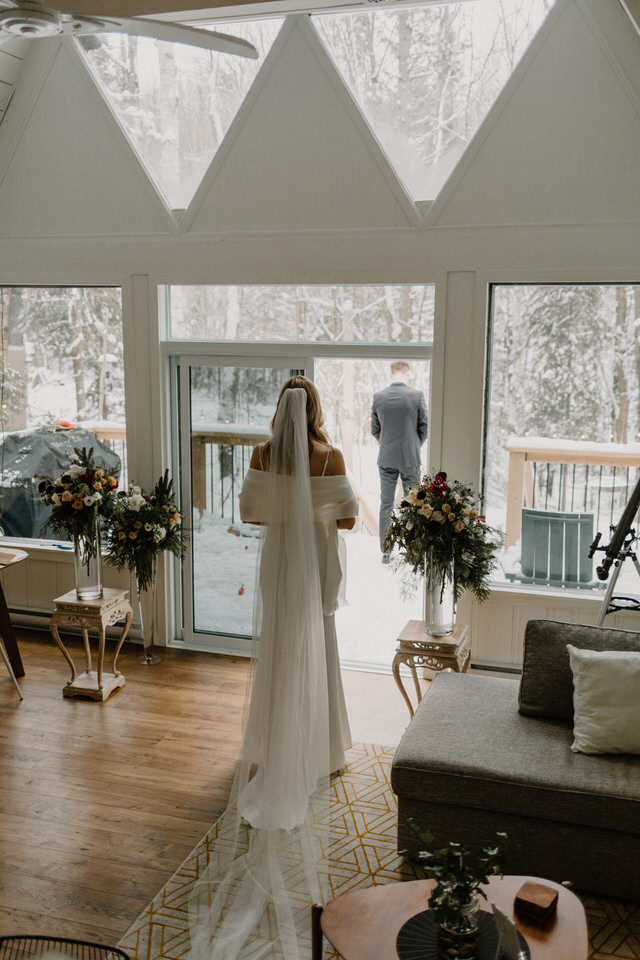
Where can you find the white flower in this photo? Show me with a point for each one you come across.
(136, 490)
(74, 471)
(159, 533)
(135, 501)
(97, 497)
(410, 525)
(55, 499)
(88, 501)
(73, 457)
(148, 527)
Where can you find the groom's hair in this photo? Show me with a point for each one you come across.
(400, 366)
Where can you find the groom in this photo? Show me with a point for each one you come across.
(399, 423)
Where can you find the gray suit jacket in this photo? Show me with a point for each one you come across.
(399, 422)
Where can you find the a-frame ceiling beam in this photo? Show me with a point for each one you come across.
(632, 9)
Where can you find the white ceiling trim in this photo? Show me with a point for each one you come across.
(302, 25)
(154, 190)
(37, 66)
(49, 62)
(360, 121)
(502, 100)
(560, 146)
(623, 51)
(202, 191)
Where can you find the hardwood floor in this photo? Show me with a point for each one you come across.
(101, 802)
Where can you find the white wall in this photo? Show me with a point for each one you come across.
(300, 191)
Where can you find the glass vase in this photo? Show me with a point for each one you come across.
(88, 562)
(459, 940)
(147, 612)
(439, 605)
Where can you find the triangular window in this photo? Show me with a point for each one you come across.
(176, 102)
(425, 77)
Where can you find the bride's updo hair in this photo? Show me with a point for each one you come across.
(315, 419)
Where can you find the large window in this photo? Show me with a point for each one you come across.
(360, 314)
(425, 77)
(563, 424)
(61, 385)
(233, 347)
(175, 101)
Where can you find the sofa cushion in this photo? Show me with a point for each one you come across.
(468, 746)
(546, 686)
(606, 701)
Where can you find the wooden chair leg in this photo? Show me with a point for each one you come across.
(10, 669)
(9, 637)
(316, 931)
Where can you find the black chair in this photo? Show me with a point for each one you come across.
(23, 947)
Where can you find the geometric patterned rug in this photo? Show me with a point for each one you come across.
(363, 852)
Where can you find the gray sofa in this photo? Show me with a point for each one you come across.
(484, 754)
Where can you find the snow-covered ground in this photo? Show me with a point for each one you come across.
(224, 589)
(378, 608)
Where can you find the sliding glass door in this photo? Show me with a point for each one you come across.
(225, 408)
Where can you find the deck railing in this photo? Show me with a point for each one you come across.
(217, 474)
(114, 436)
(568, 475)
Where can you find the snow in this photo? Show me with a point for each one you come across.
(225, 558)
(532, 444)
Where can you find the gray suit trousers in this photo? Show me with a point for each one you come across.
(388, 479)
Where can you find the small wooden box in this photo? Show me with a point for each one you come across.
(536, 903)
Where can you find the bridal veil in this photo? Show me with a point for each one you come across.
(268, 862)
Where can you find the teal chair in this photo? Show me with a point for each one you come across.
(555, 548)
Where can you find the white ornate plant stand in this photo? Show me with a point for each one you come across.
(87, 614)
(418, 649)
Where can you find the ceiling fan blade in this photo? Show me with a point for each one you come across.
(160, 30)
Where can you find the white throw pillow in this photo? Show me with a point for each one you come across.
(606, 700)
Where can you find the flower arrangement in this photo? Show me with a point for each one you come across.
(78, 497)
(143, 526)
(440, 520)
(459, 871)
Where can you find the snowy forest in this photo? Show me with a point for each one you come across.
(61, 355)
(424, 78)
(565, 364)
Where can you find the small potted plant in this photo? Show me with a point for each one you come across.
(459, 871)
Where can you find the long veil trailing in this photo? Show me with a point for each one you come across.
(267, 862)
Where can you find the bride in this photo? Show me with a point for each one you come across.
(268, 856)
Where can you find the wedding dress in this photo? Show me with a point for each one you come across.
(268, 863)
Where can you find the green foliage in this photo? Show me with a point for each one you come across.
(439, 520)
(459, 871)
(78, 497)
(143, 527)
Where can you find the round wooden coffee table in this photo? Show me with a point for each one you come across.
(364, 924)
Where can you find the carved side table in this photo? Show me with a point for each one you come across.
(418, 649)
(87, 614)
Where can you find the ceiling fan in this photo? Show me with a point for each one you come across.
(29, 19)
